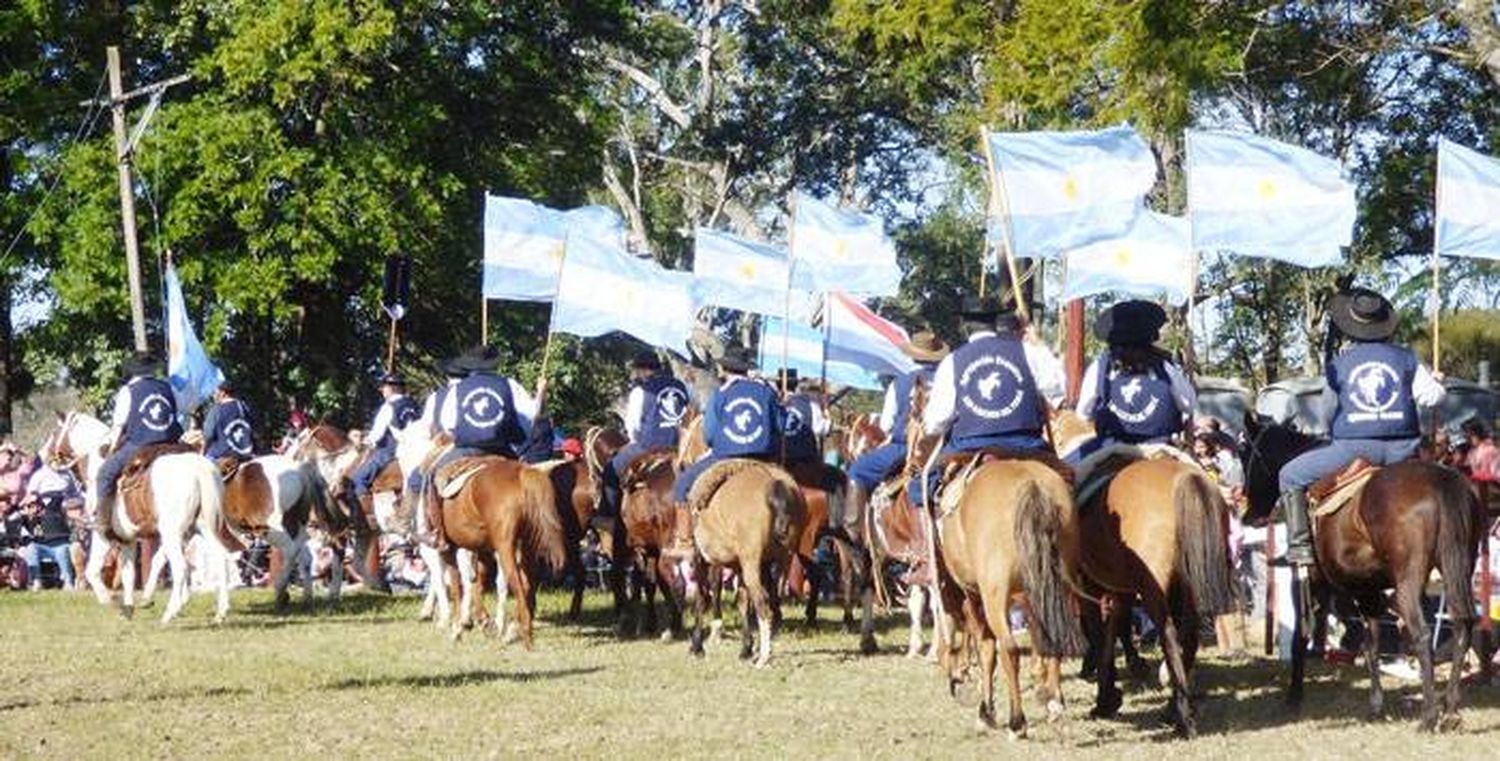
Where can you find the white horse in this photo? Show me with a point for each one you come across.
(412, 448)
(186, 495)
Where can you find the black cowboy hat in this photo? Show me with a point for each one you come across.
(480, 359)
(645, 360)
(737, 360)
(392, 378)
(926, 347)
(448, 366)
(979, 308)
(1363, 314)
(1131, 323)
(142, 363)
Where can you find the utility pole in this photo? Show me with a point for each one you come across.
(124, 149)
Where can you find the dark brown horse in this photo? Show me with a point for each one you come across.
(1407, 520)
(577, 494)
(650, 527)
(1154, 532)
(823, 490)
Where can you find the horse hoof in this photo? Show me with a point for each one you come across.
(425, 615)
(146, 603)
(914, 652)
(1450, 722)
(666, 636)
(761, 663)
(127, 612)
(1055, 710)
(868, 645)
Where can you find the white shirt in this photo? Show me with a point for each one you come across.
(47, 481)
(1425, 389)
(525, 408)
(383, 418)
(942, 405)
(635, 409)
(1183, 392)
(888, 410)
(429, 417)
(820, 423)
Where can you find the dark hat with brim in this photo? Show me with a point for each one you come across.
(789, 376)
(142, 363)
(645, 360)
(392, 378)
(979, 308)
(448, 366)
(925, 347)
(480, 359)
(736, 360)
(1363, 314)
(1131, 323)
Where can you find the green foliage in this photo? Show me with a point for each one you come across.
(1469, 336)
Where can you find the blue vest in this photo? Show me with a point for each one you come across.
(995, 394)
(801, 439)
(1373, 382)
(747, 418)
(904, 385)
(152, 417)
(666, 403)
(403, 410)
(1135, 407)
(487, 415)
(231, 435)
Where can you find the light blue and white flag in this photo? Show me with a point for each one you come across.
(192, 375)
(804, 353)
(1254, 196)
(1468, 202)
(603, 289)
(1152, 258)
(1064, 190)
(737, 273)
(524, 244)
(841, 250)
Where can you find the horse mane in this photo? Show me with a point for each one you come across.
(330, 439)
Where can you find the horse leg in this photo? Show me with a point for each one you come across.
(335, 571)
(127, 578)
(850, 579)
(94, 570)
(987, 658)
(1171, 645)
(646, 567)
(765, 602)
(810, 609)
(700, 602)
(284, 543)
(452, 577)
(670, 597)
(153, 576)
(716, 626)
(515, 574)
(1372, 656)
(171, 552)
(294, 560)
(1409, 608)
(747, 619)
(437, 589)
(916, 603)
(575, 569)
(1462, 627)
(1108, 697)
(993, 624)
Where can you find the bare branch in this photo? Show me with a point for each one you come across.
(654, 89)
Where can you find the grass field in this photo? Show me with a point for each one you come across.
(82, 683)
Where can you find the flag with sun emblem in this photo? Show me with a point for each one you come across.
(841, 249)
(192, 375)
(524, 245)
(1253, 196)
(1152, 259)
(1468, 202)
(603, 289)
(1063, 190)
(737, 273)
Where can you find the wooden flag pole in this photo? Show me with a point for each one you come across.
(997, 194)
(1437, 295)
(786, 311)
(484, 320)
(1192, 295)
(390, 345)
(552, 317)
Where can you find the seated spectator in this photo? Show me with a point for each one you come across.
(1483, 461)
(15, 468)
(50, 495)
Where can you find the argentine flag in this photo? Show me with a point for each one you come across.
(1063, 190)
(524, 244)
(1468, 202)
(1253, 196)
(193, 377)
(737, 273)
(805, 354)
(1152, 258)
(603, 289)
(841, 250)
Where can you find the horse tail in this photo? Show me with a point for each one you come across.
(211, 519)
(1202, 547)
(544, 535)
(1038, 531)
(317, 497)
(1458, 518)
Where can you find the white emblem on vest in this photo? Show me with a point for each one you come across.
(1133, 413)
(989, 386)
(1376, 388)
(483, 408)
(155, 412)
(794, 422)
(671, 405)
(237, 433)
(746, 420)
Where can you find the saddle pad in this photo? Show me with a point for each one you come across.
(953, 484)
(1343, 493)
(707, 484)
(455, 475)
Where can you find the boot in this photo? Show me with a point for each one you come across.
(1299, 551)
(605, 518)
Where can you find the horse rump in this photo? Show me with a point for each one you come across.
(1202, 546)
(540, 523)
(1038, 531)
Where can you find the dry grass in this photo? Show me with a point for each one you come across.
(83, 683)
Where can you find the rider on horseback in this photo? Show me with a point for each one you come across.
(743, 418)
(653, 413)
(226, 427)
(1379, 387)
(805, 422)
(145, 413)
(992, 391)
(395, 413)
(429, 421)
(1133, 392)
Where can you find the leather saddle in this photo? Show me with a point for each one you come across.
(450, 479)
(1333, 491)
(638, 471)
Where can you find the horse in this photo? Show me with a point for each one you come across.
(577, 494)
(649, 520)
(860, 435)
(1405, 521)
(1010, 529)
(331, 452)
(506, 509)
(748, 516)
(1156, 530)
(184, 494)
(823, 489)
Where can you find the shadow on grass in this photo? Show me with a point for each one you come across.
(154, 697)
(460, 679)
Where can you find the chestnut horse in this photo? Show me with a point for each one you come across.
(823, 489)
(1012, 531)
(1407, 520)
(1154, 531)
(747, 516)
(649, 521)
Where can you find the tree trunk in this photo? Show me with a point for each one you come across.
(7, 335)
(1478, 18)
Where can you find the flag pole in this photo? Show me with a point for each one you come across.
(484, 320)
(997, 194)
(786, 312)
(390, 345)
(1192, 294)
(1437, 246)
(541, 376)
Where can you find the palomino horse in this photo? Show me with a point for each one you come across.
(184, 494)
(505, 509)
(1155, 530)
(1407, 520)
(1010, 531)
(335, 457)
(747, 516)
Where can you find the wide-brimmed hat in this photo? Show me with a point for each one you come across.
(645, 360)
(1363, 314)
(480, 359)
(1131, 323)
(789, 376)
(979, 308)
(392, 378)
(926, 347)
(448, 366)
(142, 363)
(737, 359)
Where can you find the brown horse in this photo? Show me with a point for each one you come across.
(823, 490)
(1406, 521)
(329, 449)
(1154, 531)
(577, 495)
(1010, 531)
(649, 520)
(860, 436)
(747, 516)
